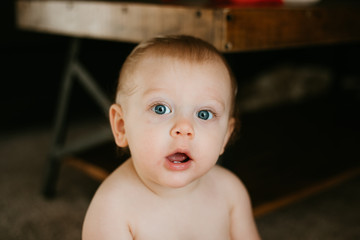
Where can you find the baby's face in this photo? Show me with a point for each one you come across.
(177, 119)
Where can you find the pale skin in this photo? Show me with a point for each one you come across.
(176, 122)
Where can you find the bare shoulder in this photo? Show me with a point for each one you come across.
(229, 182)
(242, 220)
(107, 216)
(231, 187)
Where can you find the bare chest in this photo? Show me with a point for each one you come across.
(189, 220)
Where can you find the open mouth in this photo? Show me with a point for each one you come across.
(179, 158)
(178, 161)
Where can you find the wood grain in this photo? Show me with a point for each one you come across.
(256, 29)
(230, 29)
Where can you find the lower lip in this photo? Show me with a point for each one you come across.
(177, 166)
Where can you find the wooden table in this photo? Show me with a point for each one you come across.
(229, 28)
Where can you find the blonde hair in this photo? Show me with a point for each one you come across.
(182, 47)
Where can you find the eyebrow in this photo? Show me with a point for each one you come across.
(212, 99)
(153, 93)
(151, 90)
(216, 101)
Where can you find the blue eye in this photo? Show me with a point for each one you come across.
(205, 115)
(161, 109)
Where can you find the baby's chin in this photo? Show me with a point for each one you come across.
(179, 181)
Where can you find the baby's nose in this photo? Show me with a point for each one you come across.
(182, 128)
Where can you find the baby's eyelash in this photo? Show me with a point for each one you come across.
(160, 108)
(212, 111)
(206, 114)
(157, 103)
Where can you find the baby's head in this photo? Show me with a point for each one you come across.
(174, 109)
(178, 47)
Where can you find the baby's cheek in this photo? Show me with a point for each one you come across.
(147, 138)
(215, 144)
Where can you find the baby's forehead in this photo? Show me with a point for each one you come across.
(147, 64)
(167, 61)
(169, 65)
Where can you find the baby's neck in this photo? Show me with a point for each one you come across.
(174, 193)
(166, 192)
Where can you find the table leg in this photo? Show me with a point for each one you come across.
(57, 150)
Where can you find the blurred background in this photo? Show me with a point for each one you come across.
(297, 150)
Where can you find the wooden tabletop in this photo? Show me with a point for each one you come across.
(230, 28)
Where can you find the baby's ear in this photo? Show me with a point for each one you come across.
(118, 125)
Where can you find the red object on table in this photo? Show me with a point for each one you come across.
(231, 1)
(253, 1)
(248, 2)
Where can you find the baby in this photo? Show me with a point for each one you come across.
(174, 110)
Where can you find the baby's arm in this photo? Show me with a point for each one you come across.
(242, 220)
(106, 216)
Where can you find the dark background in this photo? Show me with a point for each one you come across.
(32, 65)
